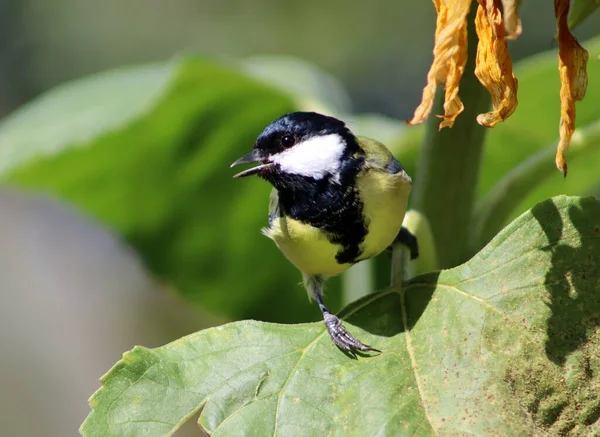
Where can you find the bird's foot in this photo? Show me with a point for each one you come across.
(406, 238)
(342, 338)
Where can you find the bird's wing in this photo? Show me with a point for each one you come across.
(379, 157)
(274, 209)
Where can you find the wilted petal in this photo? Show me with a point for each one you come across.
(449, 58)
(493, 65)
(512, 23)
(572, 63)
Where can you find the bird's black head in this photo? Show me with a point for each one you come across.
(301, 144)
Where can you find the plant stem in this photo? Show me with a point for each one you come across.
(448, 168)
(357, 282)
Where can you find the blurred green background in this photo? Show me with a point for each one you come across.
(379, 50)
(120, 223)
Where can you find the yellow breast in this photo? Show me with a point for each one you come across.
(306, 247)
(384, 196)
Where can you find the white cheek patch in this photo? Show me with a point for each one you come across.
(315, 157)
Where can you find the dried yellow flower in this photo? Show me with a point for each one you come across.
(572, 63)
(512, 23)
(497, 21)
(449, 58)
(493, 65)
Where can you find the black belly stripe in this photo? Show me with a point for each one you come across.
(338, 211)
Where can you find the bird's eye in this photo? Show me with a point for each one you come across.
(287, 141)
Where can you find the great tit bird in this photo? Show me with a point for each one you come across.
(337, 199)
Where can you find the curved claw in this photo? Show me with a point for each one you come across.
(341, 337)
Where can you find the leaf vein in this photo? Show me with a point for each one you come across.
(411, 354)
(287, 380)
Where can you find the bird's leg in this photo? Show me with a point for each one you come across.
(339, 335)
(409, 240)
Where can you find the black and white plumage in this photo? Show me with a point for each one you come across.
(337, 199)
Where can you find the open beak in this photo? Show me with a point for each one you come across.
(251, 157)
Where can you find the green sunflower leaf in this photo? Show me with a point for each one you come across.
(506, 344)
